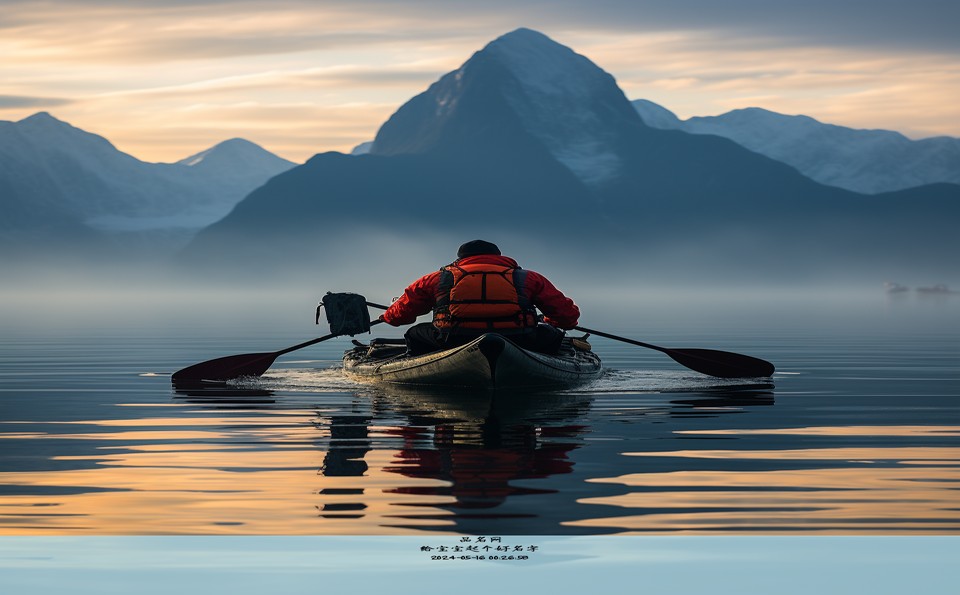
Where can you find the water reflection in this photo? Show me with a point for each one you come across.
(769, 494)
(228, 459)
(464, 450)
(480, 448)
(496, 460)
(246, 460)
(722, 401)
(349, 444)
(860, 436)
(224, 396)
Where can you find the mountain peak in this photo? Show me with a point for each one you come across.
(541, 63)
(761, 114)
(40, 117)
(48, 131)
(524, 40)
(523, 83)
(44, 121)
(227, 154)
(237, 143)
(524, 37)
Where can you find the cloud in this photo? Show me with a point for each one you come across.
(144, 33)
(144, 72)
(925, 25)
(294, 130)
(309, 80)
(701, 74)
(298, 25)
(20, 101)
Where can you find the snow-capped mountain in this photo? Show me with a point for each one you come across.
(52, 171)
(528, 139)
(237, 157)
(562, 99)
(868, 161)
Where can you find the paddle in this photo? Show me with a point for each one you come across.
(346, 313)
(722, 364)
(247, 364)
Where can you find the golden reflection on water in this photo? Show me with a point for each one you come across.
(164, 491)
(861, 454)
(883, 490)
(246, 473)
(295, 472)
(905, 431)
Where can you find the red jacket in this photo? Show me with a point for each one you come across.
(420, 297)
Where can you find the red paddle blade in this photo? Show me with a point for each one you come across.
(721, 364)
(226, 368)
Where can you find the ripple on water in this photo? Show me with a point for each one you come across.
(332, 379)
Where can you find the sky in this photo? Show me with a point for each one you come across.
(164, 79)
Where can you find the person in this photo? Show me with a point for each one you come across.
(483, 292)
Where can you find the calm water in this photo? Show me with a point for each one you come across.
(858, 433)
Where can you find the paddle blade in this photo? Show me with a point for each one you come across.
(226, 368)
(721, 364)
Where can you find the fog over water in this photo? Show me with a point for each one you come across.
(609, 299)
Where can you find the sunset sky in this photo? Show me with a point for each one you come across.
(163, 79)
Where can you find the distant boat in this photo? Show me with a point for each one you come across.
(895, 287)
(936, 289)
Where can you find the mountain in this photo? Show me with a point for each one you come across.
(561, 101)
(55, 177)
(868, 161)
(462, 143)
(530, 141)
(240, 160)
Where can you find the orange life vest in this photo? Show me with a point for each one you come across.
(482, 296)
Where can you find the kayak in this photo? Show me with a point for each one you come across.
(490, 361)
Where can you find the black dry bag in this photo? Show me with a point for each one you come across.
(347, 313)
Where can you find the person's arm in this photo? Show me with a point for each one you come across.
(417, 299)
(558, 309)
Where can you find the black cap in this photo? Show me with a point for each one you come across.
(475, 247)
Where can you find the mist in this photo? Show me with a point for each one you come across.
(662, 292)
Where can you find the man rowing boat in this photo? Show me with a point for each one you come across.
(482, 296)
(483, 292)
